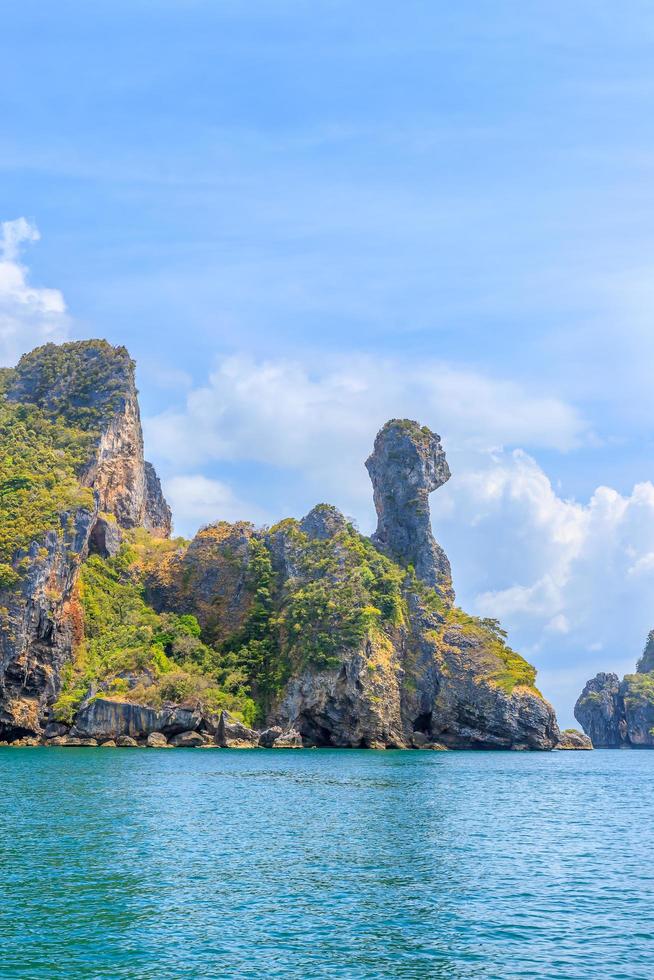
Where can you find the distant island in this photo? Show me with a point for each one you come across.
(306, 633)
(619, 714)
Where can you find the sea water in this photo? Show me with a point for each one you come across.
(325, 863)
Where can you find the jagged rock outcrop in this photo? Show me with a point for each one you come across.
(105, 718)
(91, 385)
(40, 624)
(232, 734)
(406, 465)
(619, 714)
(105, 538)
(157, 515)
(574, 741)
(600, 711)
(646, 663)
(208, 579)
(86, 393)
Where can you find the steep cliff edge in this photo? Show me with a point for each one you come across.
(90, 386)
(72, 456)
(619, 714)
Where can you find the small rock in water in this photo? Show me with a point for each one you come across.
(268, 737)
(233, 734)
(187, 740)
(574, 740)
(126, 742)
(288, 740)
(157, 740)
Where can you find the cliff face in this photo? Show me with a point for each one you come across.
(73, 449)
(601, 713)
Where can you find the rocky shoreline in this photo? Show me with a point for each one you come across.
(109, 725)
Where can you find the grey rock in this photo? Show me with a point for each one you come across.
(323, 522)
(157, 518)
(405, 466)
(70, 741)
(288, 740)
(175, 718)
(38, 629)
(126, 742)
(104, 718)
(187, 740)
(105, 538)
(232, 734)
(646, 663)
(156, 740)
(267, 737)
(601, 713)
(54, 729)
(573, 740)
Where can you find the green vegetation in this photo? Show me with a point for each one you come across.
(56, 400)
(512, 670)
(638, 689)
(82, 384)
(343, 589)
(39, 462)
(134, 653)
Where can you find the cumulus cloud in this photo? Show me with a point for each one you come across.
(323, 421)
(197, 500)
(29, 315)
(572, 581)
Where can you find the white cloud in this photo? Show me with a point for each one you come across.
(571, 581)
(197, 500)
(323, 422)
(29, 315)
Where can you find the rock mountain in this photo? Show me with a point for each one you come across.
(305, 633)
(619, 714)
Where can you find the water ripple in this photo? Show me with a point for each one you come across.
(327, 864)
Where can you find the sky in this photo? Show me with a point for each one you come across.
(303, 219)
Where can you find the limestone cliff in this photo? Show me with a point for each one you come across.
(405, 466)
(355, 642)
(306, 631)
(73, 462)
(619, 714)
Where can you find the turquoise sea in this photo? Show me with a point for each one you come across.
(326, 863)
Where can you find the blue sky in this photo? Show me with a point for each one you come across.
(304, 218)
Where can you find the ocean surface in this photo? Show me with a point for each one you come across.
(326, 863)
